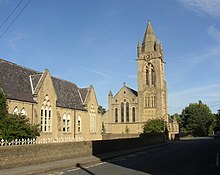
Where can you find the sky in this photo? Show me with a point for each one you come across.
(95, 42)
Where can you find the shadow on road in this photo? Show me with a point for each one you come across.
(84, 169)
(196, 156)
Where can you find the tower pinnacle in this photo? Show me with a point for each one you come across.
(149, 38)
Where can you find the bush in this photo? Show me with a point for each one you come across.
(154, 126)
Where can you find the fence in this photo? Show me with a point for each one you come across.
(39, 141)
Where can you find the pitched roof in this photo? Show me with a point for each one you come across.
(67, 94)
(83, 93)
(133, 91)
(15, 81)
(19, 83)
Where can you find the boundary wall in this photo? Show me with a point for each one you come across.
(19, 155)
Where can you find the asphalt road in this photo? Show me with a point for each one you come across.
(179, 157)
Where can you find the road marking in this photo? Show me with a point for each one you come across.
(217, 159)
(75, 169)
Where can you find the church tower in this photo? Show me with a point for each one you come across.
(152, 90)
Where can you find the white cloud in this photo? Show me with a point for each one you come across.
(208, 7)
(214, 32)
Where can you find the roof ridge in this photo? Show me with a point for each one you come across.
(9, 62)
(65, 81)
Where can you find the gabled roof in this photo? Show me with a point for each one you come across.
(83, 94)
(19, 83)
(67, 94)
(133, 91)
(15, 81)
(34, 80)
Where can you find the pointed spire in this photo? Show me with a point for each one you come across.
(149, 34)
(110, 93)
(149, 39)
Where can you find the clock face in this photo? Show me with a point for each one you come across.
(148, 56)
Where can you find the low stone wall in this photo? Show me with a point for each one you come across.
(12, 156)
(109, 136)
(106, 146)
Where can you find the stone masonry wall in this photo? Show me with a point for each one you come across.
(13, 156)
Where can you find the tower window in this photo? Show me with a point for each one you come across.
(152, 77)
(147, 76)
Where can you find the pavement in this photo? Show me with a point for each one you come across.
(68, 163)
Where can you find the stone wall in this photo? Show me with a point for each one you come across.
(108, 136)
(12, 156)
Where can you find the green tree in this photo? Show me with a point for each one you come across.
(101, 110)
(217, 121)
(154, 126)
(3, 104)
(197, 119)
(14, 126)
(18, 127)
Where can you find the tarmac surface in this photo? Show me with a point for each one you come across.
(70, 163)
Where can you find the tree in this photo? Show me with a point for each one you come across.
(101, 110)
(197, 119)
(14, 126)
(3, 104)
(217, 121)
(154, 126)
(18, 127)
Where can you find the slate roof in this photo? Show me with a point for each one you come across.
(67, 94)
(83, 92)
(16, 83)
(35, 79)
(133, 91)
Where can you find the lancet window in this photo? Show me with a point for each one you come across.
(46, 115)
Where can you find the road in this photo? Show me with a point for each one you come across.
(187, 157)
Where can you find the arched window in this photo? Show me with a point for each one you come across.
(92, 119)
(153, 101)
(79, 124)
(147, 76)
(49, 119)
(15, 111)
(122, 112)
(153, 77)
(42, 120)
(68, 123)
(46, 115)
(45, 118)
(133, 114)
(127, 112)
(23, 112)
(64, 123)
(116, 115)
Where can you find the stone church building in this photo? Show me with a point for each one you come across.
(62, 109)
(129, 109)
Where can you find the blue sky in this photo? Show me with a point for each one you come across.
(94, 42)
